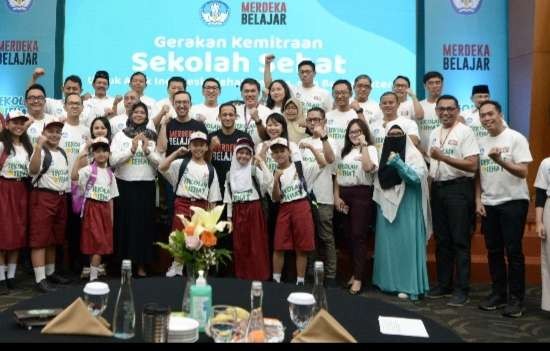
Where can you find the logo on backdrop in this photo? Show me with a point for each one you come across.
(215, 13)
(466, 7)
(264, 13)
(19, 5)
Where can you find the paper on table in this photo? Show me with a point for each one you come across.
(402, 326)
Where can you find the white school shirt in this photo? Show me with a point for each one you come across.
(312, 97)
(194, 182)
(212, 121)
(118, 123)
(247, 124)
(148, 101)
(17, 164)
(337, 124)
(36, 127)
(406, 110)
(137, 167)
(350, 168)
(497, 184)
(321, 178)
(104, 188)
(72, 139)
(291, 187)
(295, 154)
(371, 111)
(95, 107)
(57, 177)
(427, 124)
(543, 176)
(457, 142)
(263, 179)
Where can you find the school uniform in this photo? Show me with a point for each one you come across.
(14, 198)
(48, 203)
(97, 224)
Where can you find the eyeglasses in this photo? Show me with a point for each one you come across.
(445, 109)
(313, 120)
(36, 98)
(355, 132)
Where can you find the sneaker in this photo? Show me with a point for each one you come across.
(175, 269)
(44, 287)
(10, 283)
(492, 302)
(58, 279)
(101, 270)
(458, 300)
(85, 273)
(513, 309)
(402, 296)
(438, 293)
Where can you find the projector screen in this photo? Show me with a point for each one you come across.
(228, 40)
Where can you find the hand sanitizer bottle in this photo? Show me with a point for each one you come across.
(201, 301)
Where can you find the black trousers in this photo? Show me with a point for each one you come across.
(452, 213)
(503, 230)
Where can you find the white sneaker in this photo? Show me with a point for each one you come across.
(175, 269)
(402, 296)
(101, 270)
(85, 273)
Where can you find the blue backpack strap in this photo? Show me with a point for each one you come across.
(183, 166)
(64, 154)
(45, 164)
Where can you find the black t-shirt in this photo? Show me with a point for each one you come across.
(222, 154)
(178, 133)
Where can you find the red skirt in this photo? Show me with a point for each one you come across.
(294, 229)
(97, 228)
(250, 247)
(182, 205)
(14, 205)
(48, 212)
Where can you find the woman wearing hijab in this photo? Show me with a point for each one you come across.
(245, 182)
(403, 223)
(135, 162)
(294, 116)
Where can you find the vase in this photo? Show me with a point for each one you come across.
(189, 281)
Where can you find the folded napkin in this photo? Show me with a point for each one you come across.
(324, 328)
(77, 320)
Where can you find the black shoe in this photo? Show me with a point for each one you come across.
(438, 293)
(458, 300)
(493, 302)
(58, 279)
(44, 287)
(10, 283)
(514, 308)
(4, 288)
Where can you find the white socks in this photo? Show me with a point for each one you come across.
(50, 269)
(39, 274)
(277, 277)
(11, 270)
(94, 272)
(300, 280)
(2, 273)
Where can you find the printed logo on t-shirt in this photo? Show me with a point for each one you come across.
(347, 169)
(196, 188)
(16, 170)
(242, 196)
(100, 193)
(139, 159)
(59, 176)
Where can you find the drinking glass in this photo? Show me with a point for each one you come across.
(301, 307)
(222, 323)
(96, 295)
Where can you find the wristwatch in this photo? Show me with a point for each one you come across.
(359, 110)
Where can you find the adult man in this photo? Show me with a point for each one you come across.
(433, 83)
(35, 100)
(407, 108)
(480, 94)
(502, 200)
(454, 160)
(339, 118)
(100, 104)
(71, 85)
(319, 153)
(362, 87)
(175, 84)
(252, 115)
(208, 111)
(118, 123)
(307, 92)
(138, 83)
(223, 141)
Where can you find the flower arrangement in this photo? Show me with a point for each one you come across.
(195, 245)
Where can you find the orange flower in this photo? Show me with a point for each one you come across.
(189, 229)
(209, 239)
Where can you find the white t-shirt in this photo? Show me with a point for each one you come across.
(212, 121)
(137, 167)
(16, 165)
(118, 123)
(378, 133)
(295, 154)
(543, 176)
(72, 139)
(457, 142)
(406, 109)
(291, 186)
(350, 168)
(57, 177)
(497, 184)
(409, 126)
(95, 107)
(380, 129)
(35, 128)
(312, 97)
(471, 117)
(337, 123)
(148, 101)
(321, 178)
(55, 107)
(104, 187)
(427, 124)
(371, 111)
(194, 182)
(246, 123)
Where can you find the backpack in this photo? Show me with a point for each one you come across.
(79, 197)
(48, 162)
(183, 166)
(254, 182)
(310, 197)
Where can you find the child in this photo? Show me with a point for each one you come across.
(243, 187)
(98, 184)
(294, 228)
(193, 179)
(15, 149)
(48, 205)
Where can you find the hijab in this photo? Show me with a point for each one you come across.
(387, 175)
(295, 132)
(132, 129)
(240, 175)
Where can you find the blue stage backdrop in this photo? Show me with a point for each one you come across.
(467, 41)
(228, 40)
(27, 40)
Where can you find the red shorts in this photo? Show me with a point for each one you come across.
(14, 206)
(97, 228)
(294, 229)
(182, 205)
(48, 217)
